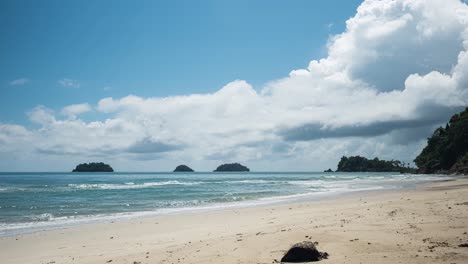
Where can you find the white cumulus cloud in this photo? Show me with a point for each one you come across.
(396, 72)
(74, 110)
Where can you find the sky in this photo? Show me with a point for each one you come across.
(275, 85)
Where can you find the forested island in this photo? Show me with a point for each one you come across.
(93, 167)
(447, 148)
(362, 164)
(446, 152)
(183, 168)
(231, 167)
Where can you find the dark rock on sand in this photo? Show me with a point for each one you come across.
(183, 168)
(304, 252)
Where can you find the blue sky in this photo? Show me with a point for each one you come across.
(153, 48)
(274, 85)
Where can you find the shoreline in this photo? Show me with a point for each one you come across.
(420, 225)
(15, 229)
(43, 226)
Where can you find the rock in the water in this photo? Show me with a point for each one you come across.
(329, 170)
(93, 167)
(183, 168)
(304, 252)
(232, 167)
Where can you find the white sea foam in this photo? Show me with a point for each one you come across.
(127, 185)
(169, 183)
(256, 181)
(312, 183)
(11, 189)
(43, 217)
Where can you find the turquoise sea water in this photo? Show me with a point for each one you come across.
(37, 201)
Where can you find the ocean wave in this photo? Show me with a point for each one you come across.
(11, 189)
(257, 181)
(170, 183)
(312, 183)
(42, 217)
(127, 185)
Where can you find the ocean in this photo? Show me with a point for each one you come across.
(38, 201)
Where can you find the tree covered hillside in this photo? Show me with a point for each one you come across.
(361, 164)
(446, 149)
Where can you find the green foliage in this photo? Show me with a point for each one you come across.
(447, 147)
(232, 167)
(461, 166)
(361, 164)
(93, 167)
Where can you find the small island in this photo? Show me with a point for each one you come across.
(361, 164)
(93, 167)
(183, 168)
(231, 167)
(329, 170)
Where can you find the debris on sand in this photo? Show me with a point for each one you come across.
(304, 252)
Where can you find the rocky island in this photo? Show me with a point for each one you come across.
(183, 168)
(231, 167)
(93, 167)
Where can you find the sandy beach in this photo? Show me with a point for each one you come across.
(426, 225)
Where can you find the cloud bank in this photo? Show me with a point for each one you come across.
(72, 111)
(397, 71)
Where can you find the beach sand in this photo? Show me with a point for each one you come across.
(425, 225)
